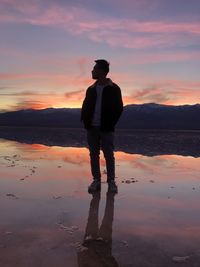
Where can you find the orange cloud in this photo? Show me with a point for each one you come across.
(29, 104)
(75, 95)
(166, 92)
(136, 88)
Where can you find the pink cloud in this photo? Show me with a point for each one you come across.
(154, 58)
(26, 93)
(48, 79)
(120, 32)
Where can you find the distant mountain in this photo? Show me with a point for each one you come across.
(143, 116)
(155, 116)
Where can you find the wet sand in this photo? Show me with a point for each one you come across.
(149, 142)
(49, 219)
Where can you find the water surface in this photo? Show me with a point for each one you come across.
(49, 219)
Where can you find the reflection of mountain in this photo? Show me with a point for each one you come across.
(145, 116)
(148, 143)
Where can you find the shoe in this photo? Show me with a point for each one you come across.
(112, 187)
(95, 186)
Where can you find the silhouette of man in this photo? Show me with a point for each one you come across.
(101, 111)
(98, 242)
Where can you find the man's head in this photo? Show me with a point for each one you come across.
(100, 69)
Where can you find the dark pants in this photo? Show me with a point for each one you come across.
(101, 140)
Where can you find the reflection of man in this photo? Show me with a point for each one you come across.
(101, 110)
(98, 241)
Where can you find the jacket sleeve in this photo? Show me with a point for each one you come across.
(88, 107)
(84, 104)
(118, 104)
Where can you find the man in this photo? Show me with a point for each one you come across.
(101, 110)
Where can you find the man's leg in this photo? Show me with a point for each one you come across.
(107, 144)
(93, 138)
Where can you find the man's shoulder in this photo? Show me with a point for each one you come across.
(91, 87)
(115, 86)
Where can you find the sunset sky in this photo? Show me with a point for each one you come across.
(48, 48)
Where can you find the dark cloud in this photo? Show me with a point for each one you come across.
(29, 104)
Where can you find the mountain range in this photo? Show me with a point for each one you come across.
(135, 116)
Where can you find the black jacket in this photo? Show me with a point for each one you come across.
(111, 106)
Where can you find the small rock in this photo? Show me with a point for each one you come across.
(180, 259)
(8, 233)
(74, 228)
(82, 248)
(57, 197)
(76, 245)
(11, 195)
(125, 243)
(89, 237)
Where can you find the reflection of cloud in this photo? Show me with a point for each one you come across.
(67, 154)
(76, 158)
(170, 163)
(148, 221)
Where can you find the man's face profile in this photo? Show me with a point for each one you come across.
(96, 72)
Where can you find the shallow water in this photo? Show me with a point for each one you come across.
(49, 219)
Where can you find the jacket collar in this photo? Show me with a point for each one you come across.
(109, 83)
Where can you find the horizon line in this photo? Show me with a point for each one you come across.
(149, 103)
